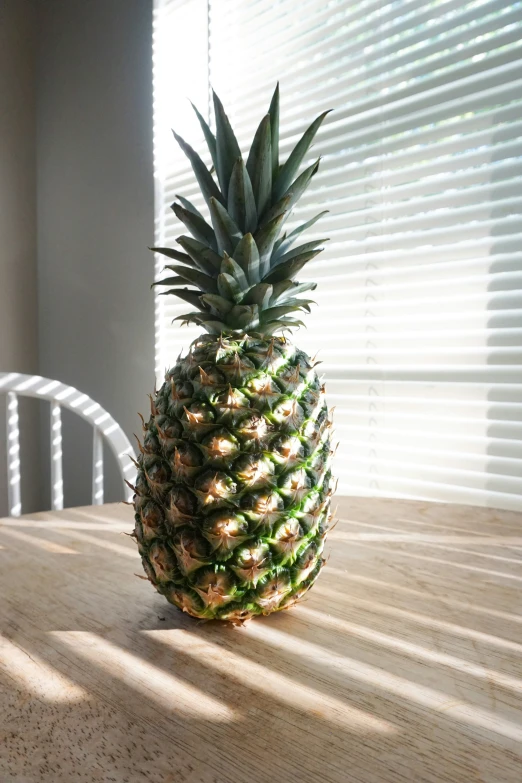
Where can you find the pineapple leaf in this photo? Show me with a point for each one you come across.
(275, 313)
(202, 319)
(186, 317)
(217, 304)
(279, 208)
(171, 253)
(170, 281)
(265, 239)
(259, 165)
(283, 323)
(173, 292)
(209, 136)
(299, 185)
(239, 261)
(227, 232)
(246, 255)
(297, 251)
(192, 297)
(241, 202)
(188, 205)
(198, 227)
(260, 294)
(289, 269)
(212, 326)
(287, 288)
(227, 147)
(296, 303)
(243, 316)
(274, 131)
(232, 268)
(206, 259)
(291, 166)
(204, 282)
(281, 246)
(229, 288)
(207, 185)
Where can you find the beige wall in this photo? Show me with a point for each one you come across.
(18, 283)
(96, 214)
(76, 218)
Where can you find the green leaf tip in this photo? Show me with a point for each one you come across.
(240, 263)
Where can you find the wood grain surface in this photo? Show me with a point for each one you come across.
(403, 664)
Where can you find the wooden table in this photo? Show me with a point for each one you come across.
(404, 663)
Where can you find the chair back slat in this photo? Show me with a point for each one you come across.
(62, 396)
(13, 456)
(97, 467)
(56, 457)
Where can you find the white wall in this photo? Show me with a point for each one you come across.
(18, 290)
(95, 213)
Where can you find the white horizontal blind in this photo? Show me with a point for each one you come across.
(419, 319)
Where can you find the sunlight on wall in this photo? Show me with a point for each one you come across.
(417, 322)
(180, 75)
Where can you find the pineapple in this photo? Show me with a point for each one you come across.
(233, 491)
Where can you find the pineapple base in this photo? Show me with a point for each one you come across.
(232, 498)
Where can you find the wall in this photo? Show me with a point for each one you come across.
(18, 290)
(96, 214)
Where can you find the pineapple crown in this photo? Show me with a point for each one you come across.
(241, 268)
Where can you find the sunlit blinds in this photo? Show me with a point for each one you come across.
(418, 322)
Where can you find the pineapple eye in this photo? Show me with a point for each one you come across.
(181, 391)
(212, 486)
(288, 531)
(221, 446)
(290, 447)
(219, 582)
(161, 562)
(254, 472)
(255, 428)
(198, 414)
(289, 413)
(189, 455)
(252, 555)
(267, 503)
(225, 532)
(233, 399)
(297, 481)
(157, 473)
(220, 489)
(258, 384)
(230, 527)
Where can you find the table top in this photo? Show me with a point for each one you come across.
(403, 664)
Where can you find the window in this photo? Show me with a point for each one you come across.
(419, 319)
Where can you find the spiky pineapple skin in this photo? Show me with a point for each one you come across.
(232, 498)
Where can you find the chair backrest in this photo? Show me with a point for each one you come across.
(62, 396)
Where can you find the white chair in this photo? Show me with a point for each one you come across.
(62, 396)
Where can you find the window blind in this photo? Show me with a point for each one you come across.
(419, 304)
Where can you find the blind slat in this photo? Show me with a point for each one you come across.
(419, 315)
